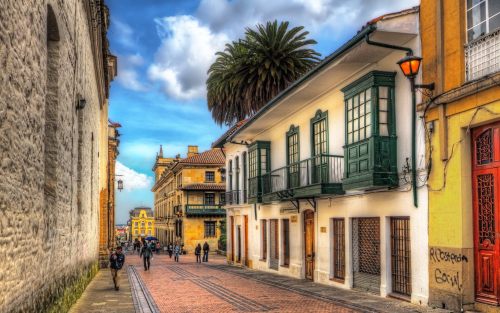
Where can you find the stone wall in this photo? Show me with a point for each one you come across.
(49, 150)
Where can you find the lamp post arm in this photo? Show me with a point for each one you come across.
(413, 142)
(430, 86)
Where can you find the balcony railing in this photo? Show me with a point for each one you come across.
(199, 210)
(482, 56)
(236, 197)
(321, 169)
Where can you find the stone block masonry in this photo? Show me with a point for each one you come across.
(52, 55)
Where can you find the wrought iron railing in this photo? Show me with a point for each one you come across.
(482, 56)
(235, 197)
(204, 210)
(320, 169)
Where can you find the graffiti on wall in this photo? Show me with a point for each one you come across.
(444, 264)
(439, 255)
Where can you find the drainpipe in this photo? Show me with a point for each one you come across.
(409, 52)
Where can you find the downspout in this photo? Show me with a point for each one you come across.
(409, 52)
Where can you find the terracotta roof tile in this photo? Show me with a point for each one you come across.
(205, 186)
(222, 139)
(213, 156)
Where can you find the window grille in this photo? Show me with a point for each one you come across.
(400, 255)
(482, 52)
(338, 248)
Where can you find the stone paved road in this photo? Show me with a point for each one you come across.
(216, 287)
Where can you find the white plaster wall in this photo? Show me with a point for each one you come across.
(375, 205)
(380, 204)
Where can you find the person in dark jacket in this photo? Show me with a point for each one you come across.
(170, 250)
(206, 248)
(197, 252)
(116, 261)
(146, 254)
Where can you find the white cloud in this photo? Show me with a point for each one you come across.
(190, 42)
(186, 52)
(132, 180)
(127, 72)
(124, 32)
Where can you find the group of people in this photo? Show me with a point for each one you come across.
(145, 250)
(197, 252)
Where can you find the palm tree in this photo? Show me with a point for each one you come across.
(251, 71)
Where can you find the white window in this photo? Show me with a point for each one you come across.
(483, 17)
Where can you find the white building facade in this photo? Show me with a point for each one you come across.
(318, 182)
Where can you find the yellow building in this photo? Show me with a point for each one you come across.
(163, 197)
(189, 194)
(461, 55)
(142, 223)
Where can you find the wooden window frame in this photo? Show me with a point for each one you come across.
(323, 144)
(338, 244)
(207, 176)
(210, 229)
(205, 198)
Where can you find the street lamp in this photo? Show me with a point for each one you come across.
(410, 65)
(120, 183)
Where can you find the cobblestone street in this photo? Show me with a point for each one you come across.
(216, 287)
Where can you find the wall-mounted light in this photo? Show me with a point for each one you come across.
(120, 183)
(410, 66)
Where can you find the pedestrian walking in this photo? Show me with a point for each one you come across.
(137, 246)
(146, 254)
(158, 247)
(206, 248)
(170, 250)
(177, 251)
(197, 252)
(116, 260)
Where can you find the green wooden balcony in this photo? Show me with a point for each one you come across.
(205, 210)
(313, 177)
(371, 164)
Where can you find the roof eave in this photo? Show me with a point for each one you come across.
(360, 36)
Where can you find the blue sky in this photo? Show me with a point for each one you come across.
(164, 49)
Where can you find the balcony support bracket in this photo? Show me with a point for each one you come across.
(312, 202)
(296, 204)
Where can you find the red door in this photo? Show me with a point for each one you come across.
(486, 192)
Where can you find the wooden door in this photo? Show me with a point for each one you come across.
(309, 244)
(274, 245)
(486, 203)
(238, 238)
(232, 238)
(245, 240)
(285, 234)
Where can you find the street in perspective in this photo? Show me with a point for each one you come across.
(249, 156)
